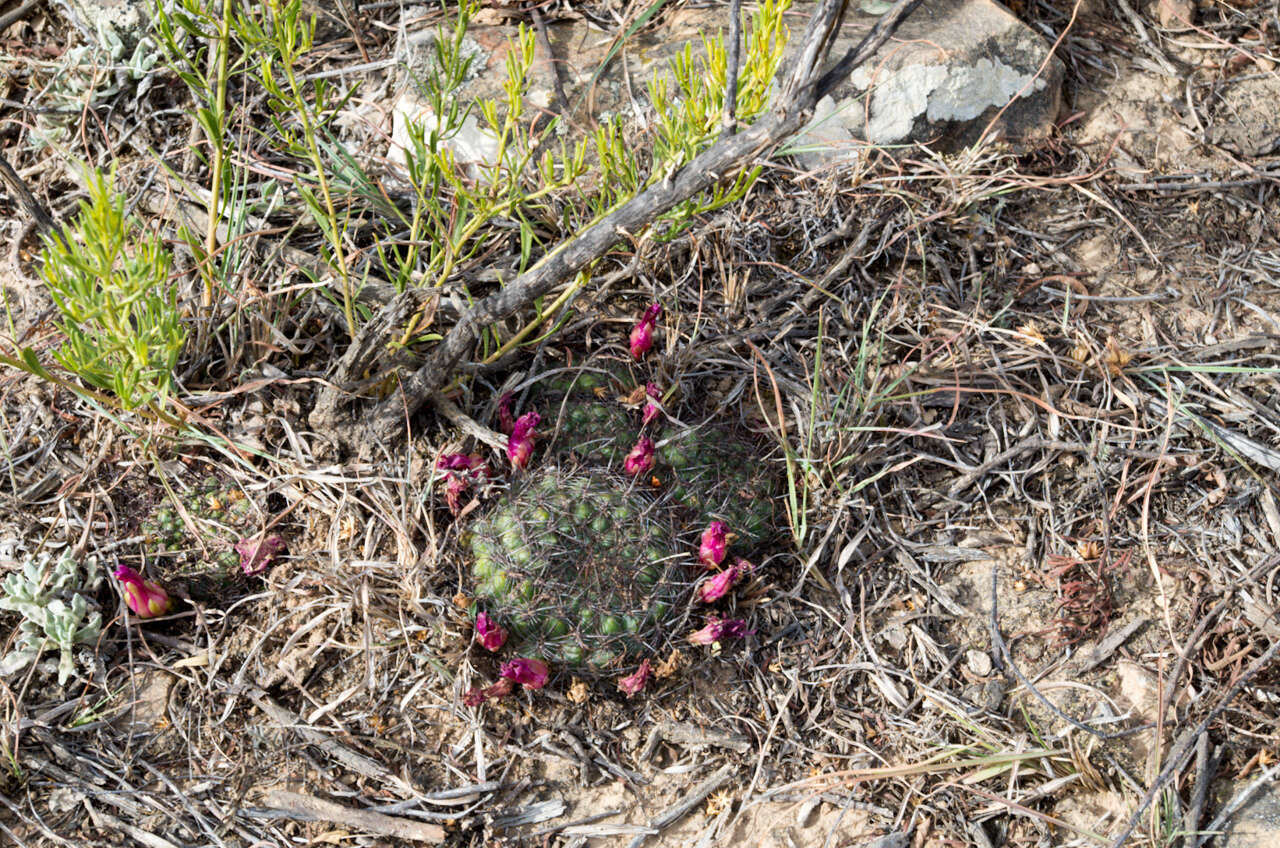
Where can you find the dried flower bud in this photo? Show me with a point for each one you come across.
(505, 420)
(715, 541)
(145, 598)
(1116, 358)
(490, 636)
(530, 673)
(651, 409)
(460, 470)
(718, 630)
(1031, 333)
(257, 553)
(642, 333)
(523, 435)
(476, 696)
(454, 486)
(640, 459)
(715, 588)
(634, 683)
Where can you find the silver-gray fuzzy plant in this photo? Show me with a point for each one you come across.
(52, 598)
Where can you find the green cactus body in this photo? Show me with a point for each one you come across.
(595, 429)
(578, 567)
(205, 562)
(587, 566)
(716, 476)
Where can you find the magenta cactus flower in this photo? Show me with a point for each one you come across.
(257, 553)
(642, 333)
(715, 588)
(715, 542)
(651, 408)
(634, 683)
(523, 435)
(488, 633)
(640, 459)
(530, 673)
(718, 630)
(145, 598)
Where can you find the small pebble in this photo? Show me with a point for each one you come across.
(979, 662)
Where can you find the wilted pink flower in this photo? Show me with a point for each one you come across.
(504, 414)
(718, 630)
(454, 486)
(640, 459)
(257, 553)
(459, 462)
(520, 445)
(145, 598)
(530, 673)
(715, 541)
(460, 471)
(642, 333)
(488, 633)
(651, 409)
(476, 696)
(634, 683)
(715, 588)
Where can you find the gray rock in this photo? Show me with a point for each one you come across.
(1257, 823)
(953, 68)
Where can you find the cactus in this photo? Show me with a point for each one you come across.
(205, 561)
(595, 428)
(580, 567)
(711, 471)
(716, 476)
(211, 504)
(589, 557)
(51, 599)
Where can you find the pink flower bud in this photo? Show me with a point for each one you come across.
(257, 553)
(634, 683)
(523, 428)
(651, 409)
(459, 462)
(488, 633)
(715, 541)
(520, 445)
(145, 598)
(642, 333)
(504, 414)
(718, 630)
(530, 673)
(715, 588)
(640, 459)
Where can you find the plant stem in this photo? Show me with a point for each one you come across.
(218, 148)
